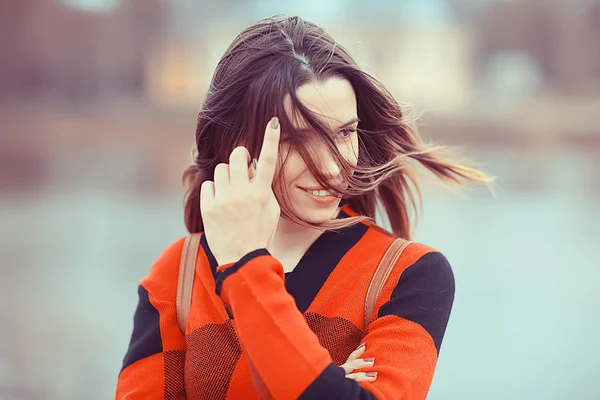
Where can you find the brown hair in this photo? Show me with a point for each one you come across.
(270, 60)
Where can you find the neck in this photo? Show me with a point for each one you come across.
(290, 237)
(291, 241)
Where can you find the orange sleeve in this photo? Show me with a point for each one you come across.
(281, 348)
(406, 334)
(287, 356)
(154, 363)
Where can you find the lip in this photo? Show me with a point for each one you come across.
(325, 200)
(319, 187)
(315, 189)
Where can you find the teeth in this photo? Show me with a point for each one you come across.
(320, 193)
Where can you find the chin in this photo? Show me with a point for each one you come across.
(320, 216)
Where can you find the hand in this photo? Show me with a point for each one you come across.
(241, 213)
(354, 362)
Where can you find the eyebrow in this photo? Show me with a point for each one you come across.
(344, 125)
(351, 122)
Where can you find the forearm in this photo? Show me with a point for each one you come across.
(281, 346)
(288, 357)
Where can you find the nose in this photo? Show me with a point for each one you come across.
(327, 163)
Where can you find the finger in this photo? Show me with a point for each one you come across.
(207, 195)
(359, 363)
(252, 169)
(221, 178)
(363, 376)
(347, 368)
(267, 160)
(238, 166)
(357, 353)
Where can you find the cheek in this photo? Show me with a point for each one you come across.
(350, 150)
(355, 148)
(291, 167)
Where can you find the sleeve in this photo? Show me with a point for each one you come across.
(154, 363)
(404, 338)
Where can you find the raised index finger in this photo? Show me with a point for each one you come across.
(267, 160)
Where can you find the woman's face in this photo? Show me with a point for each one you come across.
(334, 102)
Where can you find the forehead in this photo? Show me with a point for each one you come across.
(332, 99)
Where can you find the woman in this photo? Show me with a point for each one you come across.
(295, 145)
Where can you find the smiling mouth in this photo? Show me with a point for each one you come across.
(320, 192)
(321, 196)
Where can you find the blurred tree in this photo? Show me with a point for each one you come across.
(50, 49)
(18, 70)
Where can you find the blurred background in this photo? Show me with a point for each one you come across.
(98, 100)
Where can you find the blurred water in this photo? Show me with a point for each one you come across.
(524, 326)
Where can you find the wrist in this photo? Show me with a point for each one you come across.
(227, 260)
(227, 270)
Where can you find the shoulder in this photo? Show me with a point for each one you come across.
(419, 265)
(161, 281)
(419, 256)
(425, 267)
(421, 291)
(415, 256)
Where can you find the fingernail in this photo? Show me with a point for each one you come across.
(360, 345)
(274, 123)
(371, 374)
(254, 162)
(369, 359)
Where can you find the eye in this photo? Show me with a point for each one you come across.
(345, 133)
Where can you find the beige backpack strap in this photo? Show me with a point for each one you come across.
(381, 275)
(185, 283)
